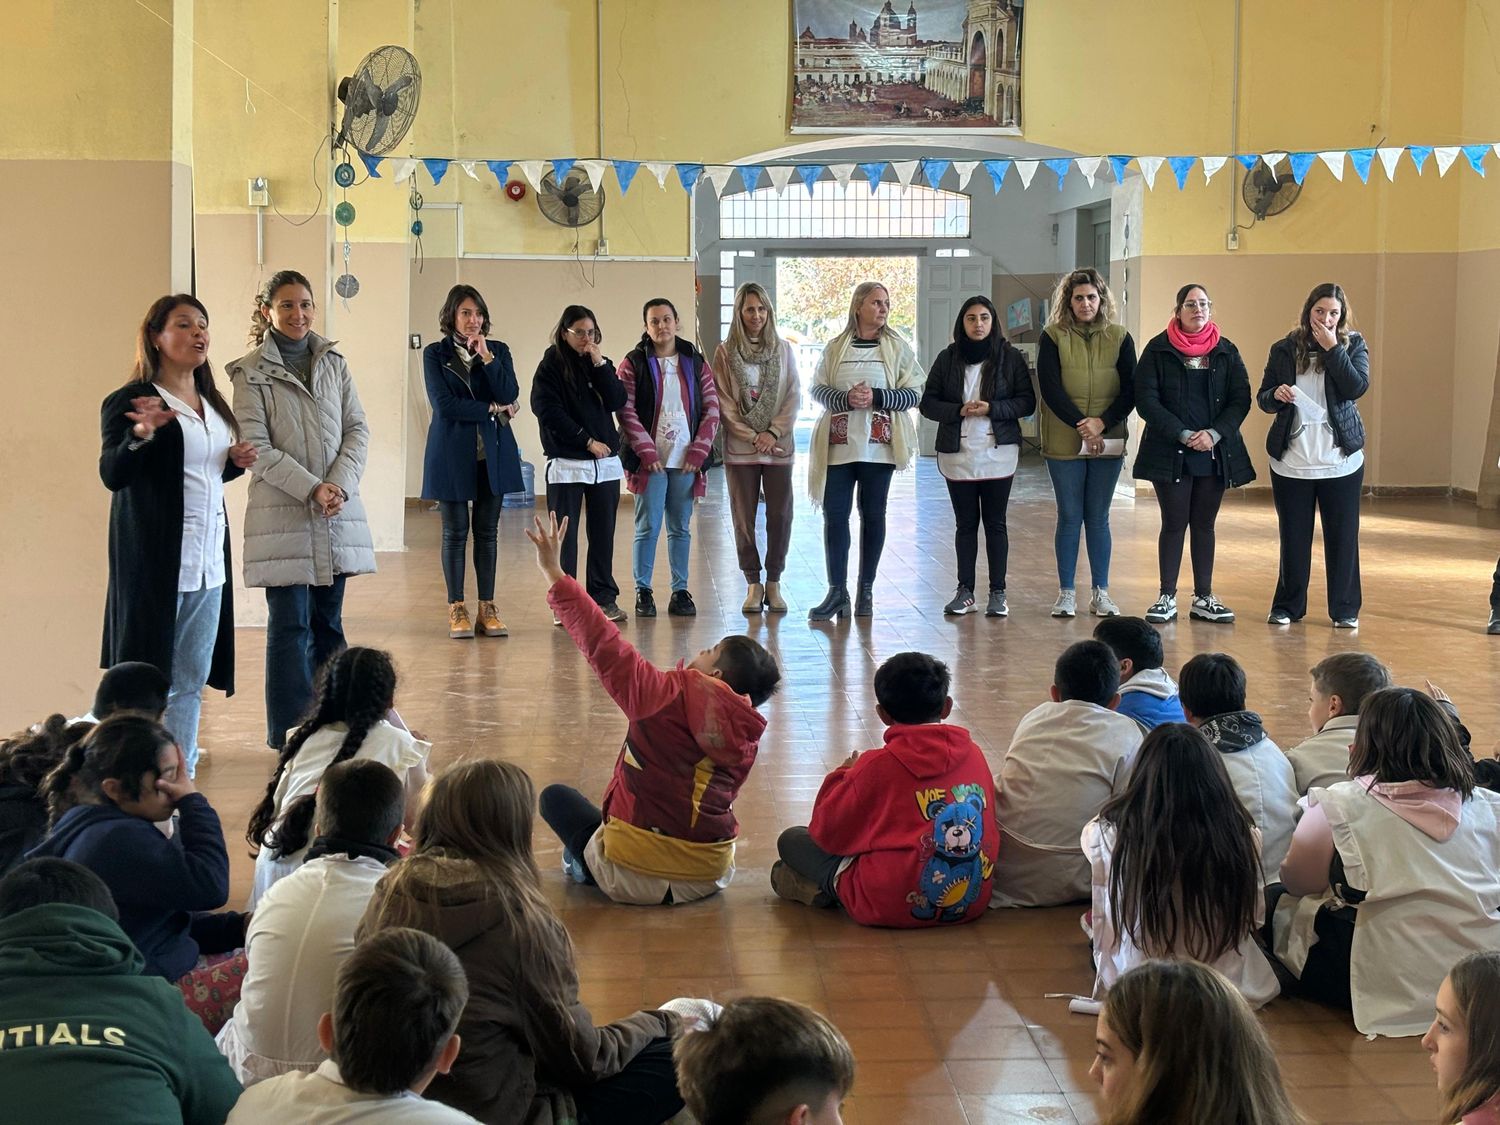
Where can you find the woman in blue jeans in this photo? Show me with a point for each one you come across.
(1085, 372)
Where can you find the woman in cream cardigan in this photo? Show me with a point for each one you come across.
(868, 382)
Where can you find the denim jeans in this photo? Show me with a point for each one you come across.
(192, 656)
(874, 484)
(456, 540)
(671, 492)
(304, 628)
(1084, 489)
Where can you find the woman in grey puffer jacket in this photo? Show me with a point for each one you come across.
(305, 527)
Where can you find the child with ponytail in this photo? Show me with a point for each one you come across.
(25, 762)
(351, 719)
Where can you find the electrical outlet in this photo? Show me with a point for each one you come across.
(415, 341)
(260, 191)
(601, 249)
(1232, 240)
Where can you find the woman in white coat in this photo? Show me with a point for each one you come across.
(305, 527)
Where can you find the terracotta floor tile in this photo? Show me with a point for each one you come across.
(896, 1109)
(1002, 1076)
(1014, 1109)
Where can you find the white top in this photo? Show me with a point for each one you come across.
(571, 470)
(849, 434)
(621, 884)
(1266, 785)
(673, 428)
(205, 450)
(301, 932)
(1312, 454)
(978, 457)
(321, 1098)
(1323, 759)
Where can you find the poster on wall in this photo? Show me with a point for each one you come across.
(866, 66)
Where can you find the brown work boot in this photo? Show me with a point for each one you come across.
(489, 623)
(459, 626)
(795, 887)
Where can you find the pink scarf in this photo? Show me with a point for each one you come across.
(1199, 343)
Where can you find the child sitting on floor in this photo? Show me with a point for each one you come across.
(765, 1062)
(131, 685)
(667, 829)
(1147, 694)
(1340, 684)
(25, 762)
(903, 835)
(1464, 1040)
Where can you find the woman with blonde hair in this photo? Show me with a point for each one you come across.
(868, 381)
(1085, 371)
(1176, 1044)
(756, 371)
(1464, 1041)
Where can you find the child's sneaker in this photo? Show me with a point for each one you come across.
(1066, 604)
(963, 602)
(997, 606)
(1101, 604)
(794, 887)
(573, 868)
(1206, 607)
(1162, 610)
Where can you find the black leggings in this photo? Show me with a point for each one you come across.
(486, 536)
(974, 500)
(573, 818)
(644, 1093)
(1192, 502)
(874, 483)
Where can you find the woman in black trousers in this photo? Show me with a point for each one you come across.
(976, 390)
(1313, 377)
(1193, 392)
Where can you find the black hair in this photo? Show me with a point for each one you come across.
(28, 757)
(356, 687)
(653, 302)
(260, 324)
(748, 668)
(1211, 683)
(47, 881)
(994, 344)
(1133, 639)
(132, 685)
(122, 748)
(1182, 294)
(912, 687)
(571, 316)
(448, 315)
(1087, 671)
(361, 800)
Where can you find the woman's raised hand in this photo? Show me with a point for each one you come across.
(1326, 338)
(149, 414)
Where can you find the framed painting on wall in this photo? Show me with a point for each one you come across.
(866, 66)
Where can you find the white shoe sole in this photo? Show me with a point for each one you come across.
(1222, 619)
(1064, 613)
(1161, 619)
(950, 612)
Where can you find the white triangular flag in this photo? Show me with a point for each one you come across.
(468, 167)
(1026, 169)
(532, 170)
(1445, 155)
(594, 170)
(1271, 159)
(965, 169)
(1388, 158)
(905, 170)
(1335, 163)
(718, 175)
(841, 173)
(1149, 166)
(781, 175)
(1211, 166)
(659, 169)
(1089, 166)
(404, 170)
(1497, 149)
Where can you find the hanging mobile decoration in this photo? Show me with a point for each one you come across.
(346, 285)
(415, 202)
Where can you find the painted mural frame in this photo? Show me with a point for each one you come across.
(865, 66)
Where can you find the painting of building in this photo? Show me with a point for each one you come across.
(955, 64)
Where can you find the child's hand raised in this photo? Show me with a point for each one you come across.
(850, 760)
(548, 542)
(176, 783)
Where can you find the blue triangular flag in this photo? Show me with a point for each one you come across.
(1476, 154)
(1060, 167)
(872, 172)
(1181, 166)
(1419, 155)
(933, 171)
(810, 174)
(1301, 162)
(750, 175)
(1362, 158)
(561, 168)
(371, 163)
(1117, 166)
(501, 169)
(437, 168)
(688, 174)
(625, 171)
(1247, 160)
(997, 170)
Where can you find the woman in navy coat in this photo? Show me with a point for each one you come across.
(471, 456)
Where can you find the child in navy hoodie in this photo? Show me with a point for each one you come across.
(1147, 693)
(903, 835)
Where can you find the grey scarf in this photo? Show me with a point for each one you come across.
(758, 413)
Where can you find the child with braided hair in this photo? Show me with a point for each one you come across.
(352, 719)
(25, 761)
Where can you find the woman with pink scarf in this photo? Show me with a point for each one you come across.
(1193, 392)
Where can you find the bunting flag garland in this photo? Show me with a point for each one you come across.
(468, 167)
(1059, 168)
(687, 175)
(1117, 165)
(372, 164)
(1149, 166)
(1181, 166)
(750, 176)
(1445, 155)
(717, 176)
(500, 169)
(1361, 158)
(904, 170)
(781, 175)
(436, 168)
(1334, 162)
(561, 168)
(1089, 166)
(965, 170)
(1475, 154)
(1211, 165)
(1301, 162)
(1026, 169)
(933, 171)
(532, 170)
(659, 169)
(841, 173)
(997, 170)
(625, 171)
(809, 174)
(1419, 155)
(594, 170)
(1388, 158)
(874, 170)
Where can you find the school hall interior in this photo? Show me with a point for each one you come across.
(133, 127)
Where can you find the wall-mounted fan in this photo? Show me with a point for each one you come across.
(380, 100)
(571, 203)
(1265, 194)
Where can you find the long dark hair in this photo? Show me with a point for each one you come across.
(990, 373)
(357, 687)
(122, 748)
(1403, 735)
(1184, 876)
(448, 314)
(27, 758)
(259, 323)
(148, 356)
(1302, 334)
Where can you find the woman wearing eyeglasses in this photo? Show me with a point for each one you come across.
(574, 396)
(1192, 391)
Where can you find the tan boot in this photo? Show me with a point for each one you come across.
(775, 603)
(755, 599)
(489, 623)
(459, 626)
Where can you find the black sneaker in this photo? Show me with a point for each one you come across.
(681, 605)
(613, 612)
(645, 602)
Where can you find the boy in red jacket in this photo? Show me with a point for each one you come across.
(904, 835)
(667, 829)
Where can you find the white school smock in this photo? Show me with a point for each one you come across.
(205, 450)
(978, 457)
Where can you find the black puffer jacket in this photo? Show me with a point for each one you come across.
(1346, 376)
(575, 403)
(1161, 395)
(1008, 391)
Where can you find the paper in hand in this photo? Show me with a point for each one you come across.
(1312, 413)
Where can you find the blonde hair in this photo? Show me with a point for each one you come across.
(861, 291)
(737, 342)
(1061, 312)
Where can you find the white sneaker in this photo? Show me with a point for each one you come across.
(1101, 605)
(1206, 607)
(1066, 604)
(1162, 610)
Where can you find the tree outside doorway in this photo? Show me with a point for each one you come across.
(812, 295)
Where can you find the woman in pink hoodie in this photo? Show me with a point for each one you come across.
(1391, 876)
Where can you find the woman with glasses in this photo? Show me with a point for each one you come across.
(1193, 392)
(1313, 377)
(574, 396)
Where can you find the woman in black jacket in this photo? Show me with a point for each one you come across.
(574, 396)
(976, 390)
(1192, 391)
(1313, 377)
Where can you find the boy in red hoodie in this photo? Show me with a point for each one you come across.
(904, 835)
(667, 829)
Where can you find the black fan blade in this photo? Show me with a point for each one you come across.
(376, 133)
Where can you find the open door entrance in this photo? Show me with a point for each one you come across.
(943, 285)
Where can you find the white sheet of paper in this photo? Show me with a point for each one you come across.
(1311, 412)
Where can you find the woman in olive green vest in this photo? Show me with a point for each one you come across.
(1085, 372)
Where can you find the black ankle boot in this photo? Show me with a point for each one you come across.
(834, 604)
(864, 603)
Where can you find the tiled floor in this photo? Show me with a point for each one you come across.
(950, 1025)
